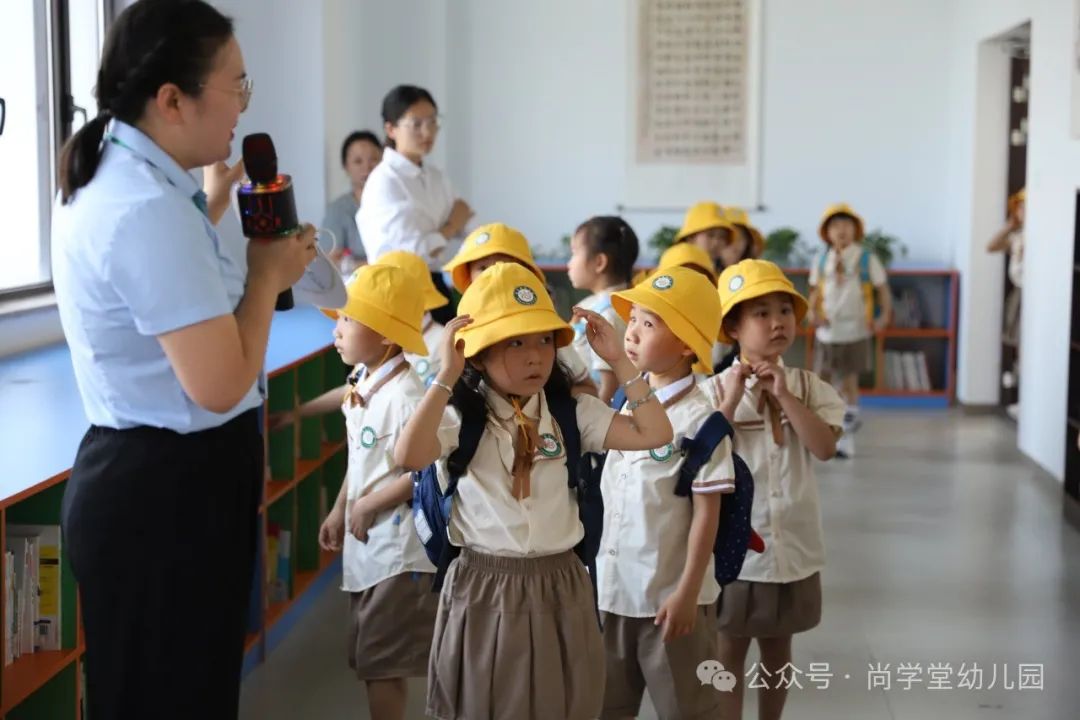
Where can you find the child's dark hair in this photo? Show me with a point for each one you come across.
(748, 251)
(358, 136)
(468, 399)
(151, 43)
(398, 101)
(612, 236)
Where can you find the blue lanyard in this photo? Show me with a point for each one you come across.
(198, 199)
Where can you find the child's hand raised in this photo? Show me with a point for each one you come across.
(775, 376)
(452, 352)
(603, 338)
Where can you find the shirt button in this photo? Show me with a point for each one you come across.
(610, 552)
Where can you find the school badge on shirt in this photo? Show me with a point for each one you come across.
(663, 454)
(367, 437)
(549, 445)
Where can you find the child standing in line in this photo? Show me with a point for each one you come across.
(782, 416)
(845, 278)
(426, 366)
(707, 226)
(603, 251)
(748, 243)
(496, 243)
(385, 570)
(657, 585)
(516, 636)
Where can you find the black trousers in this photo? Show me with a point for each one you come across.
(446, 313)
(161, 531)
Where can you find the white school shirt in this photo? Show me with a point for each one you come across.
(402, 208)
(599, 303)
(786, 511)
(427, 366)
(842, 297)
(486, 517)
(576, 367)
(646, 525)
(373, 428)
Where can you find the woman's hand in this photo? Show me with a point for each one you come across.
(282, 262)
(460, 214)
(218, 181)
(603, 338)
(452, 351)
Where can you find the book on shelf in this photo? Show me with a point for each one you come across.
(907, 312)
(907, 371)
(33, 597)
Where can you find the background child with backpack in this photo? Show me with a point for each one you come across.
(496, 243)
(517, 633)
(655, 568)
(385, 570)
(782, 416)
(845, 280)
(603, 251)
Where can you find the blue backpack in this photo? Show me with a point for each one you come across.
(734, 536)
(431, 504)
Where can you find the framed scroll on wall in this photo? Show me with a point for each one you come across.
(695, 95)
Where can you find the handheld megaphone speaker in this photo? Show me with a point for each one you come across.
(267, 205)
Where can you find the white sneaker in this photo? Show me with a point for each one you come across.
(1013, 411)
(845, 447)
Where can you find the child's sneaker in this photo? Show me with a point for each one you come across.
(852, 423)
(845, 447)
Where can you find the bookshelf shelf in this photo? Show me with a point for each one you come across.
(30, 672)
(39, 445)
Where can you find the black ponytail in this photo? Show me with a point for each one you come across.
(398, 101)
(151, 43)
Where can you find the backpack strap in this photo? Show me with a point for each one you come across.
(619, 398)
(472, 429)
(864, 266)
(821, 265)
(564, 410)
(700, 448)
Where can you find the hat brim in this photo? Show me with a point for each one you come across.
(702, 227)
(433, 299)
(409, 338)
(678, 323)
(760, 290)
(860, 231)
(527, 322)
(459, 266)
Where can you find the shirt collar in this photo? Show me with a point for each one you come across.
(136, 142)
(401, 164)
(669, 391)
(370, 383)
(752, 380)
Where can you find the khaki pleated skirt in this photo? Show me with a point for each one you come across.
(516, 639)
(758, 609)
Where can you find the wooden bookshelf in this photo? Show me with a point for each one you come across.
(41, 424)
(937, 291)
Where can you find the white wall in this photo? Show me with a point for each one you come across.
(1053, 178)
(860, 117)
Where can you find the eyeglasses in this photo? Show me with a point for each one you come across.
(247, 87)
(415, 124)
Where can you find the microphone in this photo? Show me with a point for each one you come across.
(267, 205)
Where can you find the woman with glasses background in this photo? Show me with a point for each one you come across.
(167, 323)
(408, 203)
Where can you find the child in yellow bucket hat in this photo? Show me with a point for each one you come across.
(385, 569)
(657, 585)
(1010, 239)
(513, 517)
(426, 366)
(747, 242)
(845, 279)
(495, 243)
(706, 226)
(781, 416)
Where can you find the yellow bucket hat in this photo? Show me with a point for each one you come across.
(703, 216)
(687, 255)
(419, 273)
(506, 301)
(751, 279)
(493, 239)
(738, 216)
(841, 209)
(382, 298)
(686, 301)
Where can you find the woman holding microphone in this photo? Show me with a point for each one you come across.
(168, 325)
(408, 203)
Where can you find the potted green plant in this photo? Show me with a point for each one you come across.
(784, 247)
(663, 238)
(885, 246)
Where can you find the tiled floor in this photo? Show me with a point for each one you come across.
(945, 546)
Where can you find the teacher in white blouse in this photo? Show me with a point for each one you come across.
(408, 204)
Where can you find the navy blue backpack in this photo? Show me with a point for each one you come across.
(431, 505)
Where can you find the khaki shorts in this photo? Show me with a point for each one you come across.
(638, 657)
(390, 627)
(757, 609)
